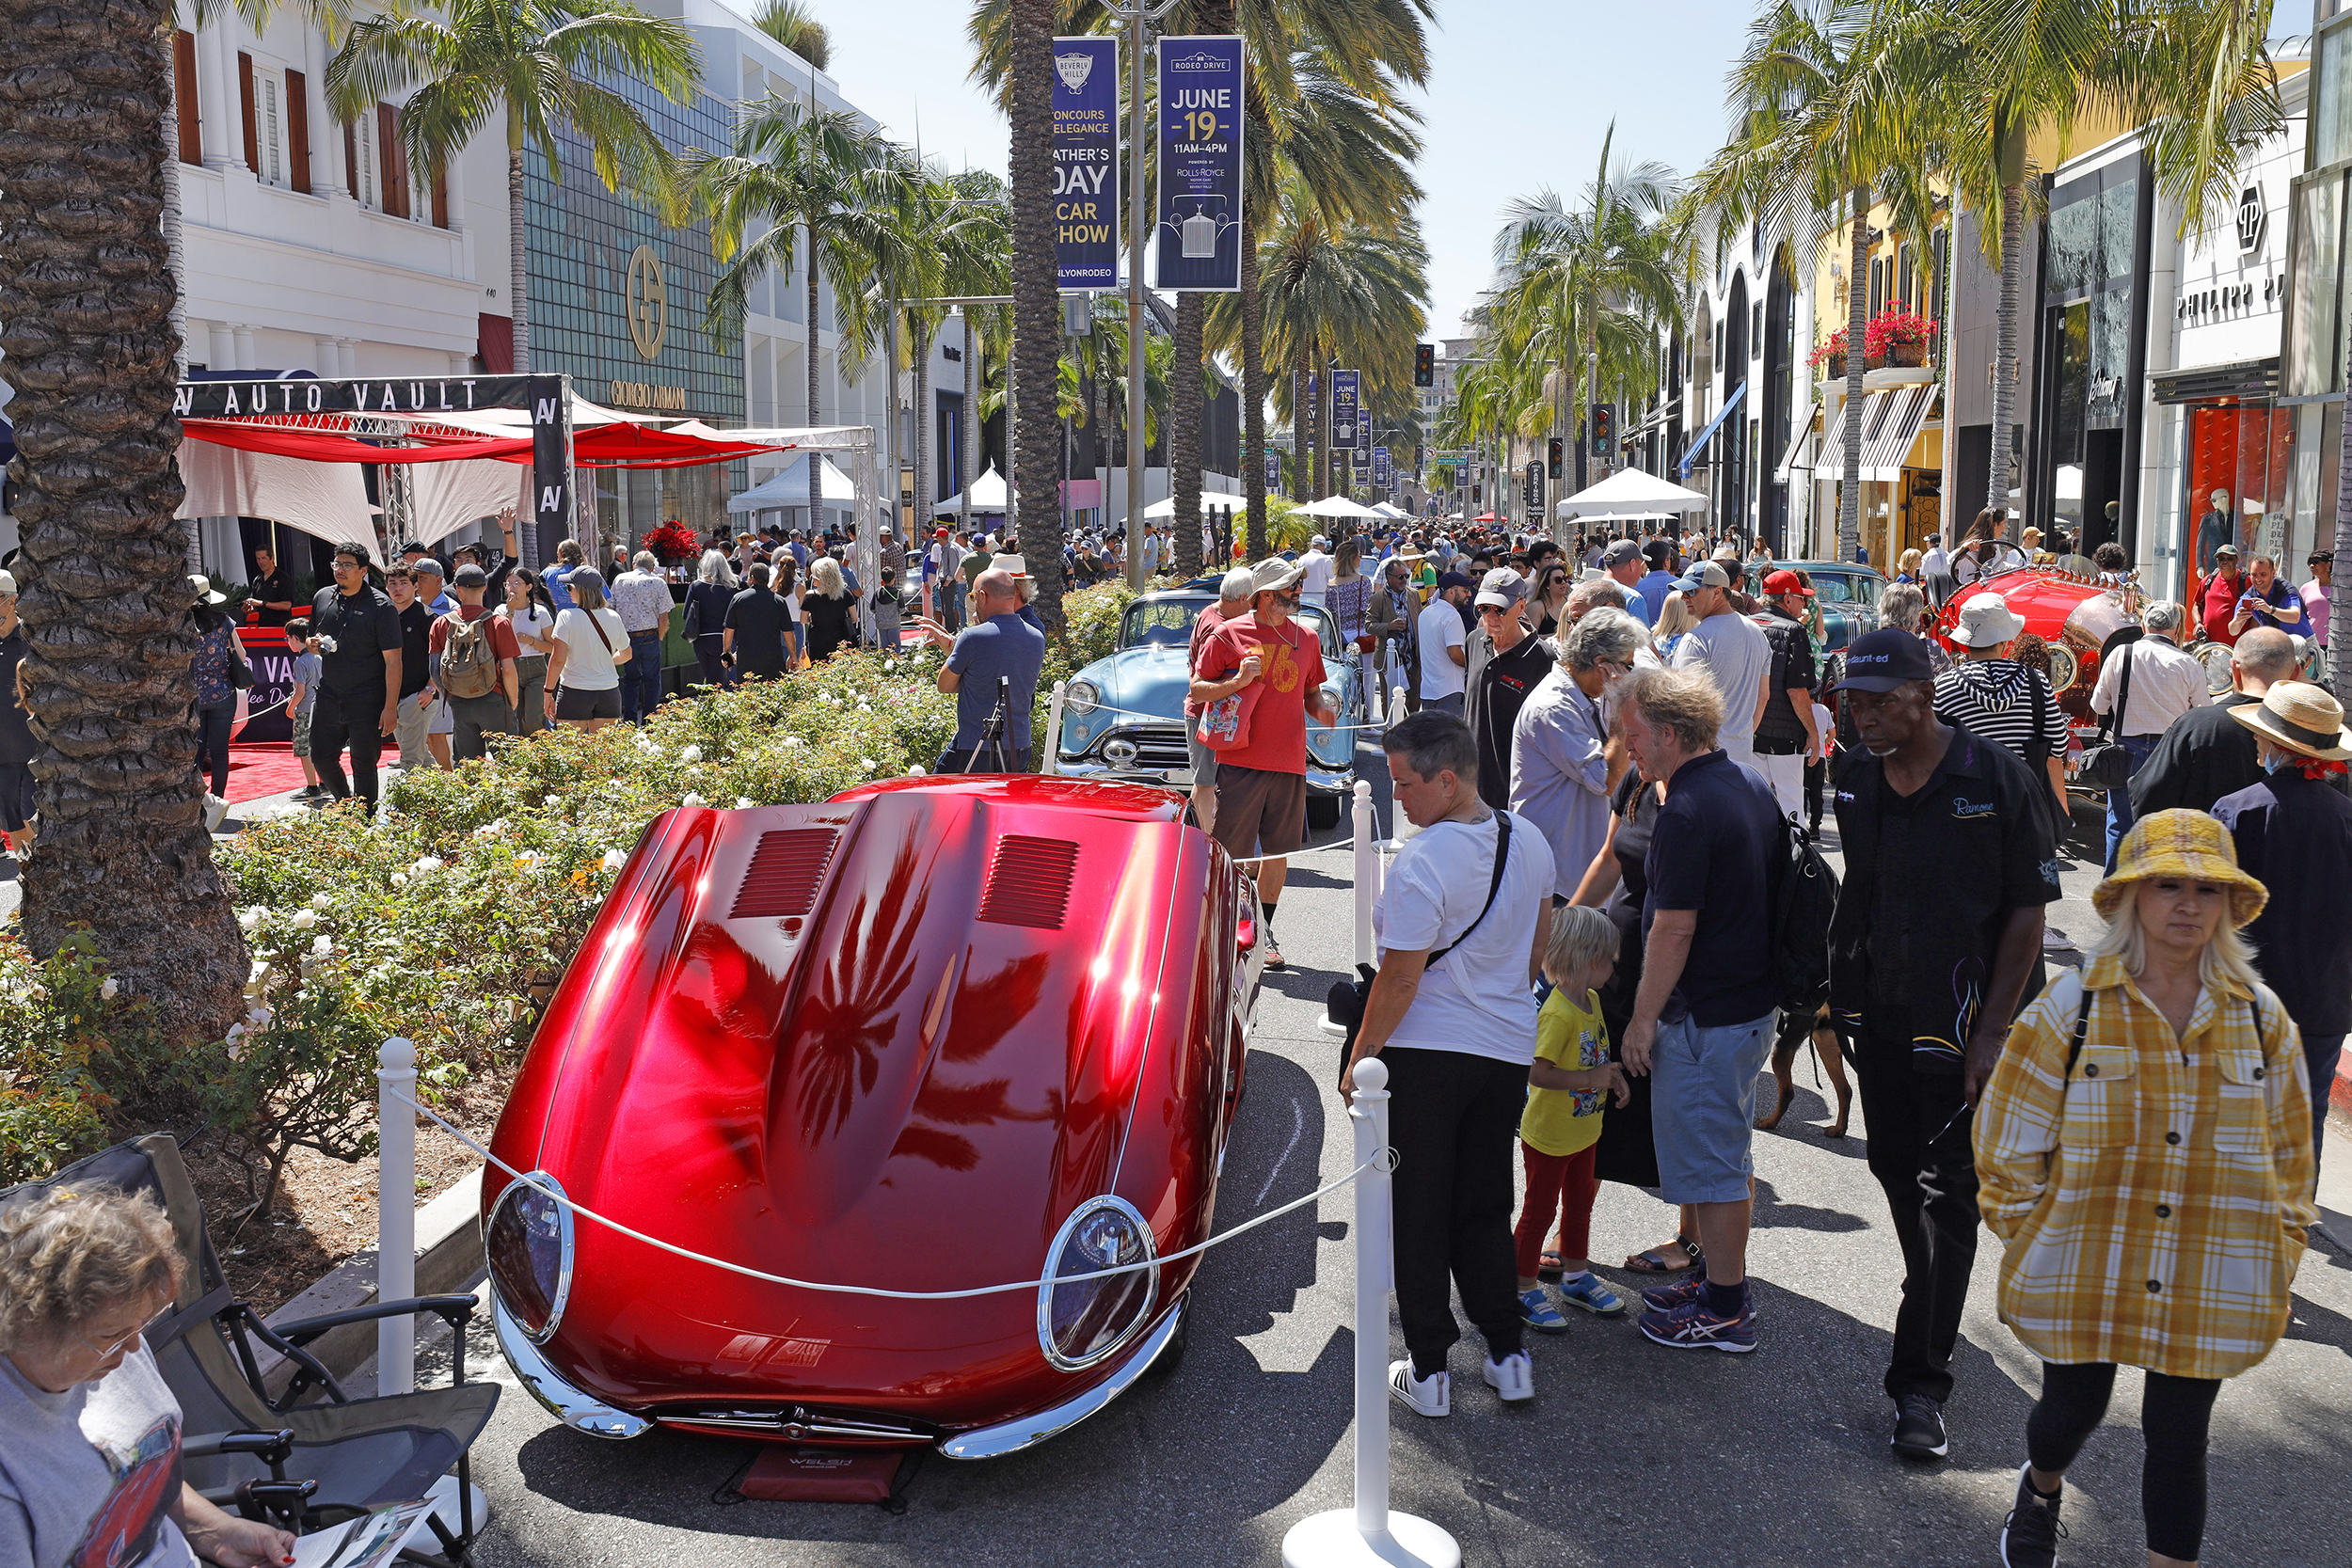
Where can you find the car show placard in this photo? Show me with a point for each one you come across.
(1086, 163)
(1346, 413)
(1198, 232)
(1382, 474)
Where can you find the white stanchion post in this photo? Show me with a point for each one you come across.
(1370, 1533)
(1051, 760)
(396, 1213)
(1367, 871)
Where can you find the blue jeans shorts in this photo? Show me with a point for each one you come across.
(1703, 1105)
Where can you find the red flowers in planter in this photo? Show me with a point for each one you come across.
(1896, 328)
(1833, 349)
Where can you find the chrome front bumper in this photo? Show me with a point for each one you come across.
(1028, 1430)
(568, 1404)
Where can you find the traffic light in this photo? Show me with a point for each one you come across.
(1604, 429)
(1477, 491)
(1551, 467)
(1425, 364)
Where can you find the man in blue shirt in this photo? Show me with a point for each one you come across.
(569, 557)
(1659, 583)
(2268, 602)
(999, 643)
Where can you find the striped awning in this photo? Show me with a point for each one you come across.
(1794, 458)
(1891, 421)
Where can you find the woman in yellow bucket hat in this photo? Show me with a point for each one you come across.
(2145, 1153)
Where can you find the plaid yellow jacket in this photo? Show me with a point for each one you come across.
(2152, 1208)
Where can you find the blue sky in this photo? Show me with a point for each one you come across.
(1520, 93)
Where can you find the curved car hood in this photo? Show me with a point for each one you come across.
(863, 1041)
(1150, 679)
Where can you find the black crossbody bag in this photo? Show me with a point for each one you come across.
(1345, 1003)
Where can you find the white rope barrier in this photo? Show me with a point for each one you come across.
(1095, 707)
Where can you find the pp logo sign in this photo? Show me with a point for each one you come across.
(2253, 220)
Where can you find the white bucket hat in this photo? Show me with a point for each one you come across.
(1986, 622)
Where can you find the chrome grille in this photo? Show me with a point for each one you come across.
(797, 1423)
(1157, 746)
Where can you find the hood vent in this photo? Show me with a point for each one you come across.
(785, 874)
(1028, 882)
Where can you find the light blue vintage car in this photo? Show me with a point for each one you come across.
(1124, 717)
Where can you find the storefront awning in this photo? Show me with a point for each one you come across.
(2248, 378)
(1794, 457)
(1691, 457)
(1891, 421)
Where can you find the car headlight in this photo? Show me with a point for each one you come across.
(1080, 1323)
(2064, 667)
(1080, 697)
(1331, 698)
(529, 1250)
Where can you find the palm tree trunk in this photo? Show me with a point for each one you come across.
(1252, 392)
(124, 857)
(969, 422)
(176, 256)
(813, 416)
(2005, 347)
(1037, 301)
(1322, 416)
(1857, 307)
(1187, 397)
(919, 541)
(518, 266)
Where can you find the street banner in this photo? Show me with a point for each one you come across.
(1197, 247)
(1273, 471)
(1382, 475)
(1086, 163)
(1347, 415)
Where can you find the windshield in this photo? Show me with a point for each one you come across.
(1168, 623)
(1834, 587)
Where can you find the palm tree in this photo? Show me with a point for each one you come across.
(795, 25)
(1827, 96)
(1566, 276)
(811, 176)
(85, 319)
(544, 63)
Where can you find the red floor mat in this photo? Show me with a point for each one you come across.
(260, 771)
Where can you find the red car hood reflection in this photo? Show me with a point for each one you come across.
(892, 1041)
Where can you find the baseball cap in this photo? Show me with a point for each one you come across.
(7, 583)
(1786, 582)
(1619, 553)
(471, 576)
(1502, 588)
(1452, 579)
(2230, 550)
(426, 566)
(1884, 660)
(1705, 574)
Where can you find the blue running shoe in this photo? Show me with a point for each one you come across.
(1537, 1312)
(1591, 1295)
(1692, 1326)
(1668, 1298)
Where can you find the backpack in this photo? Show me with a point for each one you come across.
(469, 667)
(1805, 894)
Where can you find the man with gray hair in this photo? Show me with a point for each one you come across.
(641, 600)
(1595, 592)
(2205, 753)
(2142, 688)
(1563, 768)
(1232, 599)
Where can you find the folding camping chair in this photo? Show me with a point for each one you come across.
(306, 1466)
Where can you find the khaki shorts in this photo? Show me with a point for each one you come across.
(1203, 760)
(1260, 813)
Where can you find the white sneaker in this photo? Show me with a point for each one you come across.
(1426, 1396)
(1514, 1379)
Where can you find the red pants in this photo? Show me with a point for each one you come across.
(1556, 1183)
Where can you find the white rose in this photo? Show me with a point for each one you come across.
(321, 901)
(692, 754)
(321, 948)
(614, 860)
(693, 802)
(305, 919)
(866, 763)
(744, 803)
(427, 865)
(251, 916)
(915, 772)
(259, 1017)
(400, 879)
(106, 993)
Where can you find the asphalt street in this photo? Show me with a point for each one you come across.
(1629, 1453)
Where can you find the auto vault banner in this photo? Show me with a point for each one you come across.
(1086, 163)
(1198, 232)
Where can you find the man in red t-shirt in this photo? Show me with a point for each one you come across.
(1233, 600)
(488, 713)
(1262, 784)
(2220, 595)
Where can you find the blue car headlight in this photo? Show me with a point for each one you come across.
(1079, 698)
(1080, 1323)
(527, 1246)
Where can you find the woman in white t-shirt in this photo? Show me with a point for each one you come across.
(531, 614)
(591, 645)
(1457, 1033)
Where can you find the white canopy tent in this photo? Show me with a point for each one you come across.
(1337, 506)
(790, 488)
(1394, 514)
(1630, 493)
(1166, 505)
(990, 495)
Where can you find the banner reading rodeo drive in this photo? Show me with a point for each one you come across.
(1086, 163)
(1198, 237)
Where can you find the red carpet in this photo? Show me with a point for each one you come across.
(259, 771)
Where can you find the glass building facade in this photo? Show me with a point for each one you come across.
(616, 302)
(2312, 377)
(2092, 350)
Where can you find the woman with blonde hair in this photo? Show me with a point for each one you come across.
(1673, 619)
(89, 1432)
(1907, 566)
(828, 614)
(2144, 1154)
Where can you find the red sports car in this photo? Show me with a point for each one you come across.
(2079, 619)
(927, 1035)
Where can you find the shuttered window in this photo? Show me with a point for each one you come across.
(183, 97)
(245, 108)
(391, 161)
(298, 131)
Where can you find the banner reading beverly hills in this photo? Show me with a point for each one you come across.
(1086, 163)
(1197, 247)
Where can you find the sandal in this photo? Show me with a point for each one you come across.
(1550, 1265)
(1656, 1262)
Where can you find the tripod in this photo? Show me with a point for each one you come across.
(992, 730)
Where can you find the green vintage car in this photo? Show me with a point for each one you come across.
(1123, 716)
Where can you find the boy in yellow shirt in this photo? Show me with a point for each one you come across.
(1567, 1091)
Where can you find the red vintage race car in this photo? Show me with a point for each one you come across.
(2080, 621)
(928, 1036)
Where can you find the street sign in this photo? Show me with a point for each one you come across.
(1381, 473)
(1197, 247)
(1273, 471)
(1086, 163)
(1535, 487)
(1346, 410)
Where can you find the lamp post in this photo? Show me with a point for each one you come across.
(1135, 19)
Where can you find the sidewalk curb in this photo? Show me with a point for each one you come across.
(449, 1253)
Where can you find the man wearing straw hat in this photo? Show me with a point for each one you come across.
(2293, 835)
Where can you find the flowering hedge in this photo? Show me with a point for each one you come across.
(447, 920)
